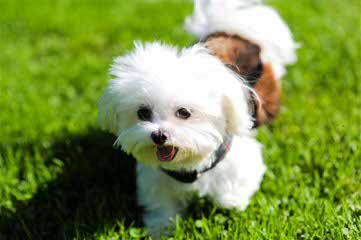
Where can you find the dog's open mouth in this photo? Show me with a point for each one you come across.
(166, 153)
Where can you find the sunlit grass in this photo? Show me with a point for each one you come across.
(60, 178)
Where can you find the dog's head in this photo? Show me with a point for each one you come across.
(173, 108)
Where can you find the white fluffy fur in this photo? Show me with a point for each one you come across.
(252, 20)
(231, 184)
(164, 79)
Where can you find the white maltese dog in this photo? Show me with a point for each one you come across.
(187, 115)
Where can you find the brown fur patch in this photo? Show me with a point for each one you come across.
(243, 57)
(269, 90)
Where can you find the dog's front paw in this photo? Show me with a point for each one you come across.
(230, 201)
(160, 222)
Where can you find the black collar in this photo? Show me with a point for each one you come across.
(192, 176)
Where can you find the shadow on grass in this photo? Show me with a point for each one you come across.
(96, 188)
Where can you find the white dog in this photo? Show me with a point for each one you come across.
(186, 116)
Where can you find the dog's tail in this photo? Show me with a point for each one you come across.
(250, 19)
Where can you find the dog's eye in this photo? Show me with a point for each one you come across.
(144, 114)
(183, 113)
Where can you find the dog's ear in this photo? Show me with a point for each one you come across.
(108, 115)
(235, 108)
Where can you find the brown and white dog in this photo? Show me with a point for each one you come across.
(187, 115)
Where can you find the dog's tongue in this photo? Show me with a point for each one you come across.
(166, 153)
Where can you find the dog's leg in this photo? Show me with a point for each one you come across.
(160, 221)
(161, 198)
(239, 175)
(238, 198)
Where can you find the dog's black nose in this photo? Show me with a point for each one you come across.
(159, 137)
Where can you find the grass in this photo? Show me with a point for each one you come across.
(60, 178)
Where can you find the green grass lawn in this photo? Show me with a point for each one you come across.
(60, 178)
